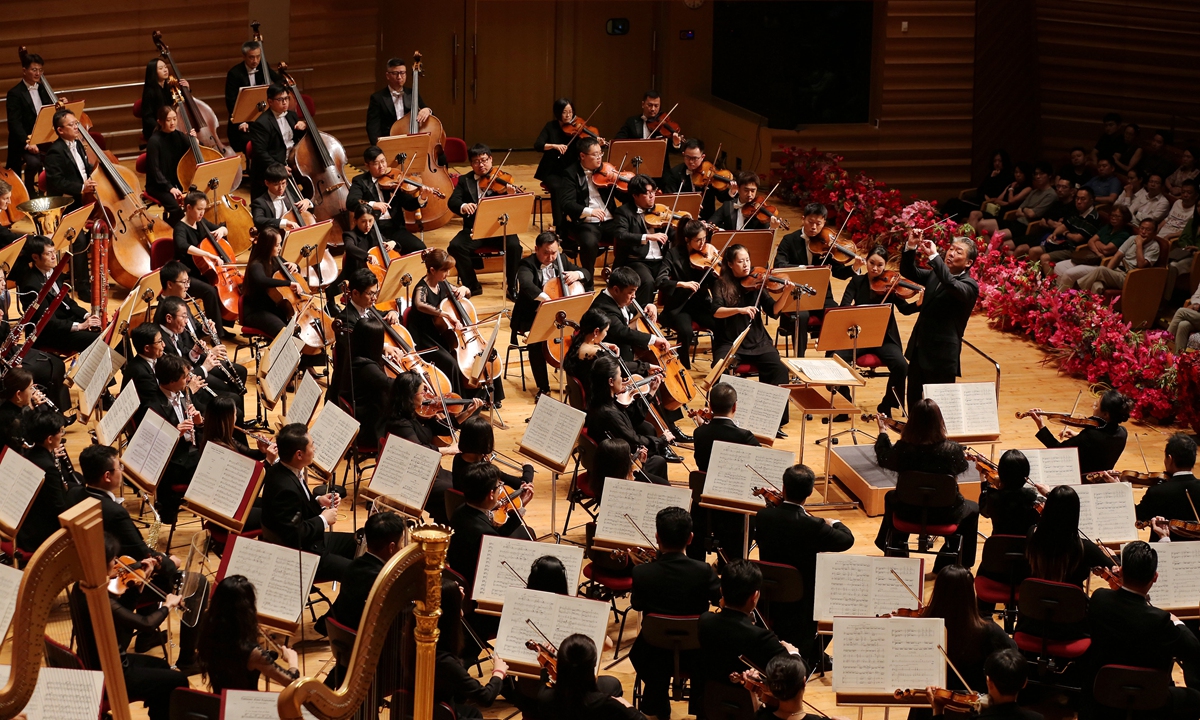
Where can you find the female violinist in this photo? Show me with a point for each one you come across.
(555, 141)
(690, 261)
(452, 683)
(734, 306)
(155, 94)
(163, 151)
(477, 444)
(781, 689)
(1100, 444)
(190, 231)
(864, 290)
(230, 654)
(370, 381)
(259, 309)
(1013, 506)
(432, 326)
(578, 692)
(608, 418)
(586, 345)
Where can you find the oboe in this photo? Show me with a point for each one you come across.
(212, 335)
(186, 402)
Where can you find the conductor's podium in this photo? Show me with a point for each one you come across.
(854, 466)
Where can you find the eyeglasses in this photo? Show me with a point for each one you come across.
(395, 73)
(159, 341)
(694, 157)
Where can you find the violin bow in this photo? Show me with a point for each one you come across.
(640, 531)
(399, 160)
(613, 189)
(1063, 433)
(665, 116)
(516, 574)
(1138, 440)
(909, 589)
(579, 131)
(838, 235)
(956, 672)
(1193, 504)
(764, 478)
(533, 625)
(495, 174)
(704, 192)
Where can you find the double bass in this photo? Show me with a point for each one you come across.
(199, 115)
(436, 212)
(319, 162)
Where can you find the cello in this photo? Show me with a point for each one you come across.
(186, 169)
(676, 379)
(319, 161)
(468, 343)
(228, 278)
(436, 212)
(314, 325)
(200, 116)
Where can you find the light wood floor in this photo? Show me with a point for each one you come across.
(1025, 382)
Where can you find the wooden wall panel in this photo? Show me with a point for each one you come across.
(1140, 58)
(1005, 108)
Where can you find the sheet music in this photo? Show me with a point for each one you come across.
(492, 579)
(405, 472)
(288, 332)
(62, 694)
(281, 583)
(1178, 585)
(332, 433)
(221, 479)
(304, 402)
(150, 448)
(96, 367)
(821, 370)
(1054, 466)
(1106, 512)
(10, 585)
(861, 585)
(759, 406)
(553, 430)
(879, 655)
(253, 705)
(557, 615)
(118, 415)
(729, 478)
(283, 366)
(20, 481)
(967, 408)
(641, 501)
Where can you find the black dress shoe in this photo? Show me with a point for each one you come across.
(680, 436)
(780, 434)
(836, 418)
(884, 410)
(671, 456)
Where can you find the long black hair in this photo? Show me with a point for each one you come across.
(576, 672)
(728, 290)
(229, 631)
(403, 396)
(604, 370)
(1054, 548)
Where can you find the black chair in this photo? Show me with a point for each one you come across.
(188, 704)
(781, 584)
(1051, 605)
(925, 492)
(1003, 557)
(582, 492)
(726, 701)
(677, 633)
(1136, 690)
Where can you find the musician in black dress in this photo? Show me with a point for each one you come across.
(734, 308)
(164, 149)
(858, 292)
(453, 684)
(687, 301)
(432, 290)
(464, 201)
(1012, 507)
(679, 179)
(577, 692)
(1100, 447)
(249, 72)
(608, 418)
(795, 251)
(17, 400)
(556, 145)
(7, 236)
(22, 105)
(533, 273)
(371, 382)
(71, 329)
(48, 370)
(407, 393)
(585, 345)
(155, 94)
(259, 309)
(388, 203)
(230, 654)
(189, 233)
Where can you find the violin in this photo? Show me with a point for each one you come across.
(890, 282)
(635, 555)
(758, 276)
(661, 216)
(702, 416)
(962, 700)
(667, 128)
(770, 495)
(510, 502)
(432, 409)
(1110, 576)
(1185, 528)
(1068, 419)
(1133, 477)
(759, 210)
(988, 470)
(634, 388)
(547, 660)
(840, 250)
(888, 422)
(395, 177)
(577, 126)
(130, 574)
(903, 613)
(606, 176)
(498, 183)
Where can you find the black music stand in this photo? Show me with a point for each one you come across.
(847, 328)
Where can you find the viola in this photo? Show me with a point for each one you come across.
(666, 128)
(130, 574)
(719, 180)
(903, 613)
(1185, 528)
(577, 126)
(1068, 419)
(607, 176)
(840, 250)
(963, 700)
(890, 423)
(770, 495)
(636, 555)
(703, 175)
(1133, 477)
(431, 409)
(890, 282)
(988, 470)
(759, 210)
(547, 659)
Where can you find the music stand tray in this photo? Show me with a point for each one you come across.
(687, 203)
(757, 243)
(638, 153)
(43, 127)
(295, 241)
(246, 108)
(70, 226)
(217, 175)
(503, 215)
(407, 147)
(815, 277)
(545, 328)
(410, 265)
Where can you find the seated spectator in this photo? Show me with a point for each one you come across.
(1187, 170)
(1135, 183)
(1103, 245)
(1147, 200)
(1155, 159)
(1009, 198)
(988, 191)
(1106, 185)
(1111, 141)
(1077, 171)
(1138, 251)
(1074, 230)
(1130, 156)
(1186, 321)
(1185, 246)
(1174, 223)
(1033, 207)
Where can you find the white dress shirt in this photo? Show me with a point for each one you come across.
(597, 212)
(280, 204)
(285, 129)
(36, 97)
(77, 155)
(387, 214)
(654, 251)
(398, 103)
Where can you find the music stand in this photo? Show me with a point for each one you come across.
(495, 215)
(688, 203)
(757, 243)
(139, 300)
(848, 328)
(311, 235)
(651, 153)
(70, 226)
(217, 175)
(409, 265)
(407, 147)
(480, 364)
(797, 301)
(250, 103)
(43, 127)
(547, 324)
(718, 368)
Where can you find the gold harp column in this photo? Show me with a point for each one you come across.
(434, 541)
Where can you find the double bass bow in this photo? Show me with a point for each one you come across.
(436, 212)
(319, 161)
(320, 275)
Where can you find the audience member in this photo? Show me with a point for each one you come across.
(1106, 185)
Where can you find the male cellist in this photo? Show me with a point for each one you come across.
(392, 102)
(248, 73)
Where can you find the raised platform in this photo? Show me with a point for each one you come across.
(855, 468)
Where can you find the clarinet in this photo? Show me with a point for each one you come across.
(65, 468)
(186, 402)
(212, 335)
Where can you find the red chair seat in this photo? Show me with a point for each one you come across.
(619, 584)
(913, 528)
(137, 108)
(41, 181)
(584, 482)
(11, 550)
(455, 150)
(162, 252)
(746, 369)
(814, 321)
(248, 331)
(249, 148)
(870, 361)
(140, 163)
(994, 591)
(1057, 648)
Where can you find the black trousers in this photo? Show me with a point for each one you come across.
(897, 367)
(33, 166)
(270, 322)
(335, 558)
(206, 293)
(406, 242)
(681, 320)
(771, 369)
(69, 342)
(172, 213)
(918, 378)
(462, 248)
(967, 518)
(647, 270)
(538, 367)
(150, 680)
(237, 138)
(584, 240)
